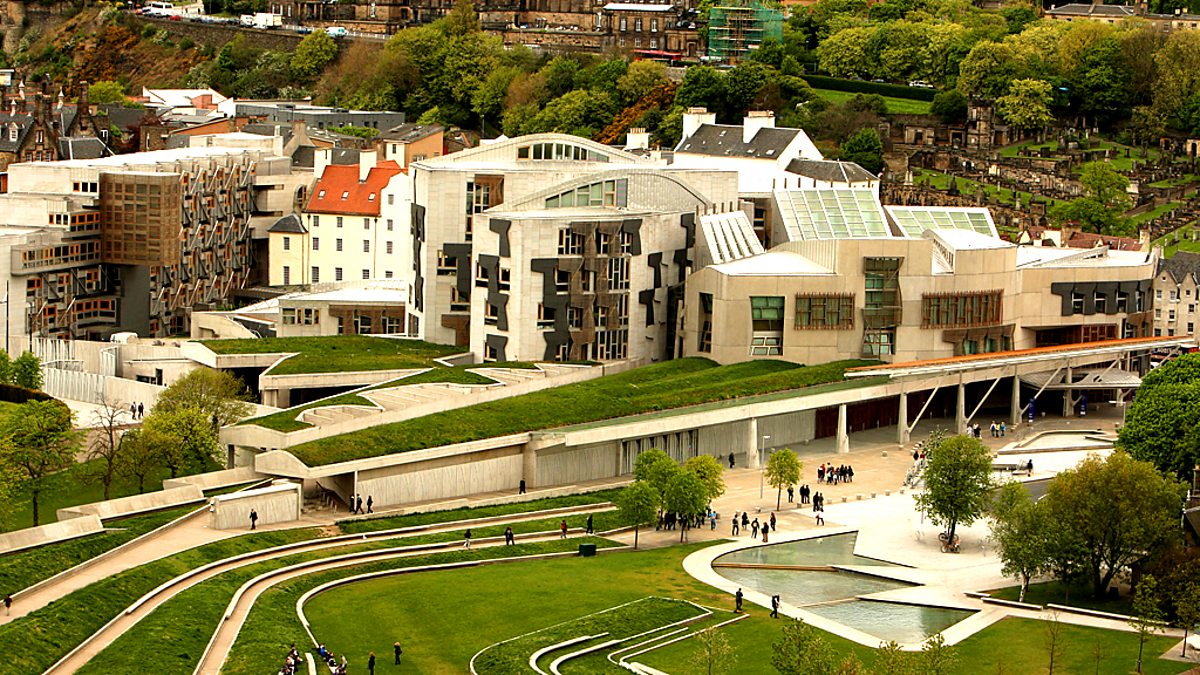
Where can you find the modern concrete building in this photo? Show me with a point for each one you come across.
(367, 308)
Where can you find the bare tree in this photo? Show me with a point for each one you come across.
(1053, 640)
(106, 442)
(714, 655)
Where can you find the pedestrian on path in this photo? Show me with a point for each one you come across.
(467, 538)
(791, 494)
(745, 521)
(562, 527)
(735, 523)
(141, 411)
(509, 538)
(521, 487)
(371, 663)
(253, 519)
(775, 606)
(398, 651)
(737, 599)
(772, 520)
(589, 524)
(358, 505)
(731, 460)
(820, 518)
(754, 529)
(766, 530)
(133, 410)
(370, 503)
(8, 604)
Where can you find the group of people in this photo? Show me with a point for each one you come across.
(335, 667)
(998, 429)
(805, 494)
(775, 602)
(752, 527)
(356, 504)
(291, 663)
(832, 475)
(137, 411)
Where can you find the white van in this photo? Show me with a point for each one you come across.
(158, 8)
(335, 31)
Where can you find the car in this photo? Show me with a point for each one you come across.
(175, 17)
(920, 84)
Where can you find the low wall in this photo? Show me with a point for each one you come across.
(277, 503)
(214, 480)
(92, 388)
(49, 534)
(127, 506)
(489, 471)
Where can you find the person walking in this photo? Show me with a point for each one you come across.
(562, 528)
(735, 523)
(521, 487)
(253, 519)
(589, 524)
(358, 505)
(775, 606)
(820, 518)
(766, 530)
(397, 651)
(133, 411)
(467, 538)
(371, 663)
(731, 460)
(791, 494)
(754, 529)
(772, 520)
(370, 504)
(509, 538)
(8, 604)
(737, 601)
(745, 521)
(141, 411)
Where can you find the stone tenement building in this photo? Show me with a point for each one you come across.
(37, 125)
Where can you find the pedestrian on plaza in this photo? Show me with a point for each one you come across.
(358, 505)
(735, 524)
(141, 411)
(589, 524)
(371, 663)
(745, 521)
(731, 460)
(791, 494)
(467, 538)
(1029, 466)
(398, 651)
(850, 473)
(521, 487)
(253, 519)
(916, 455)
(370, 504)
(509, 538)
(766, 531)
(821, 473)
(8, 604)
(820, 518)
(712, 521)
(775, 606)
(133, 410)
(754, 529)
(816, 501)
(772, 520)
(562, 527)
(1003, 428)
(737, 599)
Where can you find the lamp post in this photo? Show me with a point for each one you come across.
(762, 471)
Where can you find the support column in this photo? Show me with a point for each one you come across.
(1068, 396)
(529, 465)
(960, 410)
(1014, 407)
(902, 435)
(843, 436)
(753, 442)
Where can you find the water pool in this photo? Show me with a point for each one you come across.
(892, 621)
(835, 550)
(803, 587)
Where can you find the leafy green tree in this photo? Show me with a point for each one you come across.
(987, 70)
(743, 83)
(638, 505)
(1187, 612)
(702, 86)
(1106, 185)
(640, 79)
(219, 394)
(27, 371)
(6, 373)
(801, 650)
(314, 52)
(950, 105)
(488, 100)
(1161, 423)
(462, 19)
(709, 470)
(138, 457)
(41, 441)
(1117, 511)
(1105, 199)
(865, 149)
(938, 658)
(1020, 528)
(1148, 617)
(686, 495)
(1177, 72)
(958, 481)
(783, 470)
(846, 53)
(106, 91)
(105, 445)
(657, 469)
(1026, 106)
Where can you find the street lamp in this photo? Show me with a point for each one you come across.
(762, 469)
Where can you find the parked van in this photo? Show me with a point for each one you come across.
(158, 8)
(335, 31)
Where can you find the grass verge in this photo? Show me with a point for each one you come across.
(895, 106)
(1075, 595)
(661, 386)
(338, 353)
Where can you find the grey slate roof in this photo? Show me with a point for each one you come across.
(7, 142)
(305, 156)
(289, 224)
(82, 147)
(1180, 265)
(725, 140)
(408, 133)
(1081, 9)
(830, 171)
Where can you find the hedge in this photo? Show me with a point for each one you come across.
(864, 87)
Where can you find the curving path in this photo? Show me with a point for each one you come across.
(144, 606)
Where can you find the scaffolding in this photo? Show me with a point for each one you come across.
(735, 30)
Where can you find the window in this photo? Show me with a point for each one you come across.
(562, 281)
(1158, 294)
(338, 244)
(653, 25)
(1158, 313)
(1191, 328)
(589, 281)
(490, 314)
(626, 243)
(339, 221)
(458, 301)
(1101, 302)
(1077, 303)
(569, 243)
(879, 343)
(706, 323)
(287, 243)
(602, 193)
(546, 316)
(305, 316)
(637, 25)
(389, 224)
(321, 194)
(479, 198)
(391, 199)
(388, 247)
(618, 274)
(446, 265)
(366, 245)
(366, 223)
(505, 282)
(316, 241)
(980, 308)
(766, 318)
(1170, 314)
(1174, 296)
(371, 196)
(345, 195)
(825, 312)
(13, 130)
(624, 27)
(366, 274)
(1122, 301)
(559, 151)
(337, 274)
(574, 318)
(316, 221)
(611, 344)
(481, 275)
(603, 244)
(316, 274)
(287, 275)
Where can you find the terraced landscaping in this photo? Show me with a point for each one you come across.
(661, 386)
(339, 353)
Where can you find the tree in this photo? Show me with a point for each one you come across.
(709, 470)
(987, 70)
(714, 655)
(1019, 529)
(701, 86)
(1026, 106)
(1177, 72)
(865, 149)
(958, 480)
(657, 469)
(1053, 640)
(462, 19)
(846, 52)
(106, 443)
(638, 505)
(41, 441)
(1161, 423)
(640, 79)
(138, 457)
(218, 394)
(801, 650)
(314, 52)
(185, 438)
(950, 105)
(686, 496)
(1187, 612)
(938, 658)
(106, 91)
(1106, 185)
(1116, 510)
(27, 371)
(1148, 617)
(783, 470)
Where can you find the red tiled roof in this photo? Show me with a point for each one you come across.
(1091, 240)
(338, 190)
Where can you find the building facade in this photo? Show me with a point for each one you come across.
(1176, 294)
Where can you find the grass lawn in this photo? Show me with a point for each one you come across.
(1185, 243)
(1154, 213)
(285, 420)
(1185, 179)
(79, 484)
(338, 353)
(941, 181)
(895, 106)
(1079, 595)
(661, 386)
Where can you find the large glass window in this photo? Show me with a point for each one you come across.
(961, 309)
(825, 312)
(602, 193)
(766, 318)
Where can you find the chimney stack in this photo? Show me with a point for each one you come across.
(322, 158)
(366, 162)
(694, 118)
(84, 107)
(755, 120)
(637, 139)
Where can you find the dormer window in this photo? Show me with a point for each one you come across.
(371, 197)
(41, 136)
(345, 195)
(13, 131)
(321, 194)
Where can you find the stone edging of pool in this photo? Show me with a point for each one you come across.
(699, 566)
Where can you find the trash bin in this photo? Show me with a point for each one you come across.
(587, 550)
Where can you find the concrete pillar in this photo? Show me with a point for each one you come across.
(902, 436)
(1068, 396)
(843, 436)
(529, 465)
(960, 410)
(1014, 408)
(752, 443)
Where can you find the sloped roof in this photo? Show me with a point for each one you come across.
(82, 147)
(1081, 9)
(305, 156)
(289, 224)
(725, 140)
(409, 133)
(728, 236)
(830, 171)
(1092, 240)
(1181, 265)
(339, 191)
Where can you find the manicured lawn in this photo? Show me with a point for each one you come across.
(407, 520)
(895, 106)
(661, 386)
(338, 353)
(1078, 595)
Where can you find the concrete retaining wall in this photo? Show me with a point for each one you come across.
(488, 471)
(577, 465)
(31, 537)
(127, 506)
(214, 480)
(91, 388)
(277, 503)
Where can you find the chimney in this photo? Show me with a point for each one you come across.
(366, 161)
(694, 118)
(637, 139)
(755, 120)
(322, 158)
(84, 108)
